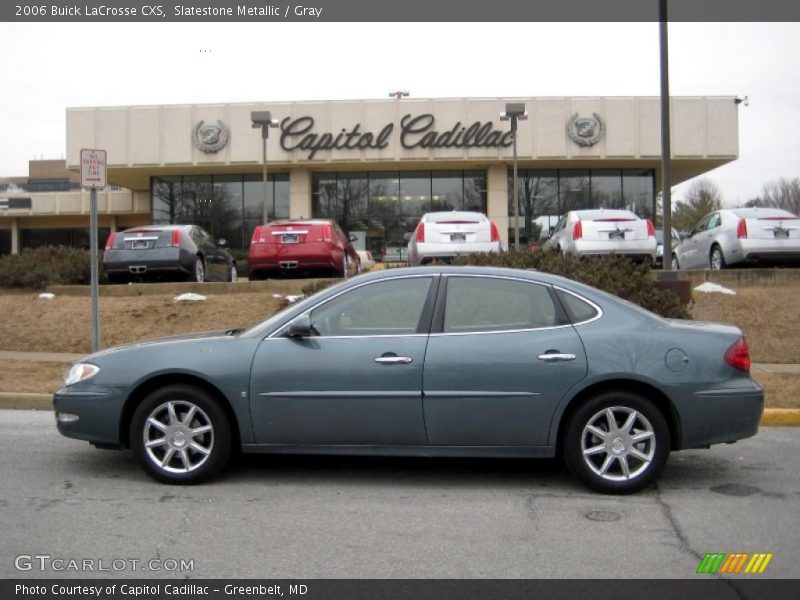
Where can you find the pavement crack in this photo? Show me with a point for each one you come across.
(676, 528)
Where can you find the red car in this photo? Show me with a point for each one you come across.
(301, 247)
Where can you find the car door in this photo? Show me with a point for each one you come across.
(705, 239)
(500, 357)
(216, 266)
(690, 256)
(358, 380)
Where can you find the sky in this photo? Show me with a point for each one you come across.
(47, 67)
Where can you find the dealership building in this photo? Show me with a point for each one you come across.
(373, 165)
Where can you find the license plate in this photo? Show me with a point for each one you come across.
(289, 238)
(139, 245)
(616, 235)
(781, 234)
(458, 237)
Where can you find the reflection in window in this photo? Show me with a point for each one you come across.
(384, 308)
(383, 208)
(228, 206)
(546, 195)
(477, 304)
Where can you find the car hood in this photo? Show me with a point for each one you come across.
(185, 337)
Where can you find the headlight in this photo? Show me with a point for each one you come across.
(80, 372)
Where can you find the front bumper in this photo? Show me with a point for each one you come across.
(99, 412)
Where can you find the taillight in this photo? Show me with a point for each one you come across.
(494, 232)
(176, 238)
(419, 235)
(327, 236)
(741, 229)
(651, 230)
(577, 231)
(110, 240)
(256, 238)
(738, 355)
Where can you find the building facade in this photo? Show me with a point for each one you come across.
(377, 165)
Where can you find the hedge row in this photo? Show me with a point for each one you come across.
(47, 265)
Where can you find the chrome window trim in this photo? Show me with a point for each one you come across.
(589, 302)
(495, 331)
(280, 330)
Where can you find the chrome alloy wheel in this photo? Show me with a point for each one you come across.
(178, 436)
(618, 443)
(199, 270)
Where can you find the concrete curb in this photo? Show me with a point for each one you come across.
(773, 417)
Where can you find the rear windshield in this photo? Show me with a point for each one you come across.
(455, 217)
(606, 215)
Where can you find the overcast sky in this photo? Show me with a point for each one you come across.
(45, 69)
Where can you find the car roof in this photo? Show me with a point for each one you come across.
(755, 213)
(604, 213)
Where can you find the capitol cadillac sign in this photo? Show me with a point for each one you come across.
(415, 131)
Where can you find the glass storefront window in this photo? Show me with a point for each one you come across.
(382, 208)
(574, 190)
(227, 206)
(638, 191)
(606, 188)
(75, 238)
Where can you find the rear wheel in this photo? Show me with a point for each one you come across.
(717, 258)
(180, 435)
(234, 274)
(617, 443)
(199, 270)
(675, 264)
(345, 266)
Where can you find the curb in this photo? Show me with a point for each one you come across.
(772, 417)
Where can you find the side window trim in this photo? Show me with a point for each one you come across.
(573, 321)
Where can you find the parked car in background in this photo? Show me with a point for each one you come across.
(434, 361)
(733, 236)
(676, 239)
(301, 247)
(159, 251)
(444, 235)
(366, 260)
(604, 231)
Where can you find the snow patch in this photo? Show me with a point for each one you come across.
(46, 296)
(189, 297)
(714, 288)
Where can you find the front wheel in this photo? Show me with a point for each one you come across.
(717, 259)
(180, 435)
(345, 266)
(675, 264)
(617, 443)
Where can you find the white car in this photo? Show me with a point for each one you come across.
(730, 236)
(604, 231)
(444, 235)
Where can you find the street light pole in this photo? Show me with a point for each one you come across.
(515, 111)
(666, 152)
(264, 120)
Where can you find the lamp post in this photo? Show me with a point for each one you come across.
(666, 152)
(264, 120)
(515, 111)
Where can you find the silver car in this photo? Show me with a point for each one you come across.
(603, 231)
(444, 235)
(731, 236)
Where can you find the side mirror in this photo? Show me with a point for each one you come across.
(685, 235)
(300, 327)
(222, 242)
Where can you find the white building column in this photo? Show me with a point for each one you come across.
(299, 194)
(14, 236)
(497, 199)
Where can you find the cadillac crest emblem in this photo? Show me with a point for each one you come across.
(585, 131)
(210, 137)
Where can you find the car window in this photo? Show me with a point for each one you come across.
(562, 222)
(714, 221)
(579, 310)
(383, 308)
(476, 304)
(703, 224)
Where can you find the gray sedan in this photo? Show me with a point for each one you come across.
(732, 236)
(429, 361)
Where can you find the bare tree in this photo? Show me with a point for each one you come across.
(782, 193)
(702, 197)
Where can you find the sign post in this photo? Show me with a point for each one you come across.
(93, 176)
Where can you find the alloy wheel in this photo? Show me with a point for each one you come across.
(178, 436)
(618, 443)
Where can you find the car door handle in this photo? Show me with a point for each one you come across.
(393, 360)
(556, 357)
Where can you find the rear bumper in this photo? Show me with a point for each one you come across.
(118, 262)
(427, 251)
(636, 249)
(286, 257)
(721, 415)
(753, 249)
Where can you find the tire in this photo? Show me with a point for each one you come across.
(604, 469)
(233, 274)
(256, 275)
(185, 465)
(676, 266)
(717, 258)
(199, 270)
(345, 267)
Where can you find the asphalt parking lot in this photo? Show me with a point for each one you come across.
(333, 517)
